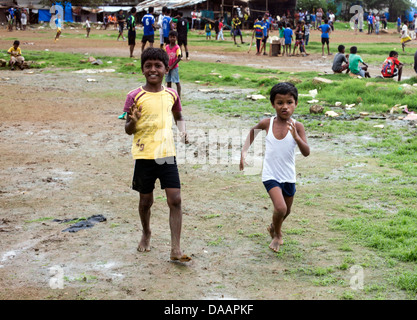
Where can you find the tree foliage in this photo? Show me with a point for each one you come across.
(85, 3)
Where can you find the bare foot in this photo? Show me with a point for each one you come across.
(274, 245)
(178, 256)
(271, 231)
(145, 243)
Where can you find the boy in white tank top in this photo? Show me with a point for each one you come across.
(283, 136)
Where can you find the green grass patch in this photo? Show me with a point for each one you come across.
(395, 236)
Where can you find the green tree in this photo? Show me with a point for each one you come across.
(395, 7)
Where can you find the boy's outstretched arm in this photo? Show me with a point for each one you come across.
(299, 136)
(180, 122)
(262, 125)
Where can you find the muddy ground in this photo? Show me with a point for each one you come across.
(65, 155)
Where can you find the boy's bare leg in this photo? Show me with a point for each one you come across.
(278, 217)
(175, 223)
(145, 204)
(271, 229)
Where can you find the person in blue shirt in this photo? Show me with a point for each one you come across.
(148, 22)
(166, 27)
(370, 23)
(266, 25)
(325, 36)
(288, 38)
(313, 20)
(399, 24)
(58, 27)
(258, 33)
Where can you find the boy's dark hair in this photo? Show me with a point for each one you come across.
(154, 54)
(180, 13)
(164, 9)
(340, 48)
(283, 88)
(326, 21)
(150, 10)
(393, 53)
(288, 25)
(133, 10)
(173, 33)
(16, 42)
(259, 17)
(353, 50)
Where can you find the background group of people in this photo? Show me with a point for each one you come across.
(16, 17)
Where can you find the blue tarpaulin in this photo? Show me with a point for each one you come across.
(68, 12)
(44, 15)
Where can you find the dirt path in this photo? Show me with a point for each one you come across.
(65, 155)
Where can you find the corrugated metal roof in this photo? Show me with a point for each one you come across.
(170, 4)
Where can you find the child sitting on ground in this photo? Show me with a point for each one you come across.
(16, 58)
(339, 59)
(392, 67)
(354, 67)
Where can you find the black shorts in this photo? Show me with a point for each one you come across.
(149, 38)
(166, 40)
(264, 39)
(147, 171)
(324, 40)
(182, 41)
(131, 37)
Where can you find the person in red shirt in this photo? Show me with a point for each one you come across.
(392, 67)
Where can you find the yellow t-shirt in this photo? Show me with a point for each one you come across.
(15, 52)
(153, 138)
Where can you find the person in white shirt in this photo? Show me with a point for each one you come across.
(24, 20)
(161, 33)
(87, 27)
(404, 35)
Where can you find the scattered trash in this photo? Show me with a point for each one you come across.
(83, 224)
(379, 126)
(97, 62)
(364, 114)
(255, 97)
(94, 71)
(331, 114)
(91, 80)
(338, 104)
(313, 101)
(411, 116)
(210, 90)
(313, 93)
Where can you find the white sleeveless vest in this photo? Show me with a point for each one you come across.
(279, 161)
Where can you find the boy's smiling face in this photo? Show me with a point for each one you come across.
(284, 105)
(154, 71)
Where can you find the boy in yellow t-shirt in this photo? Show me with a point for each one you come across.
(150, 110)
(16, 57)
